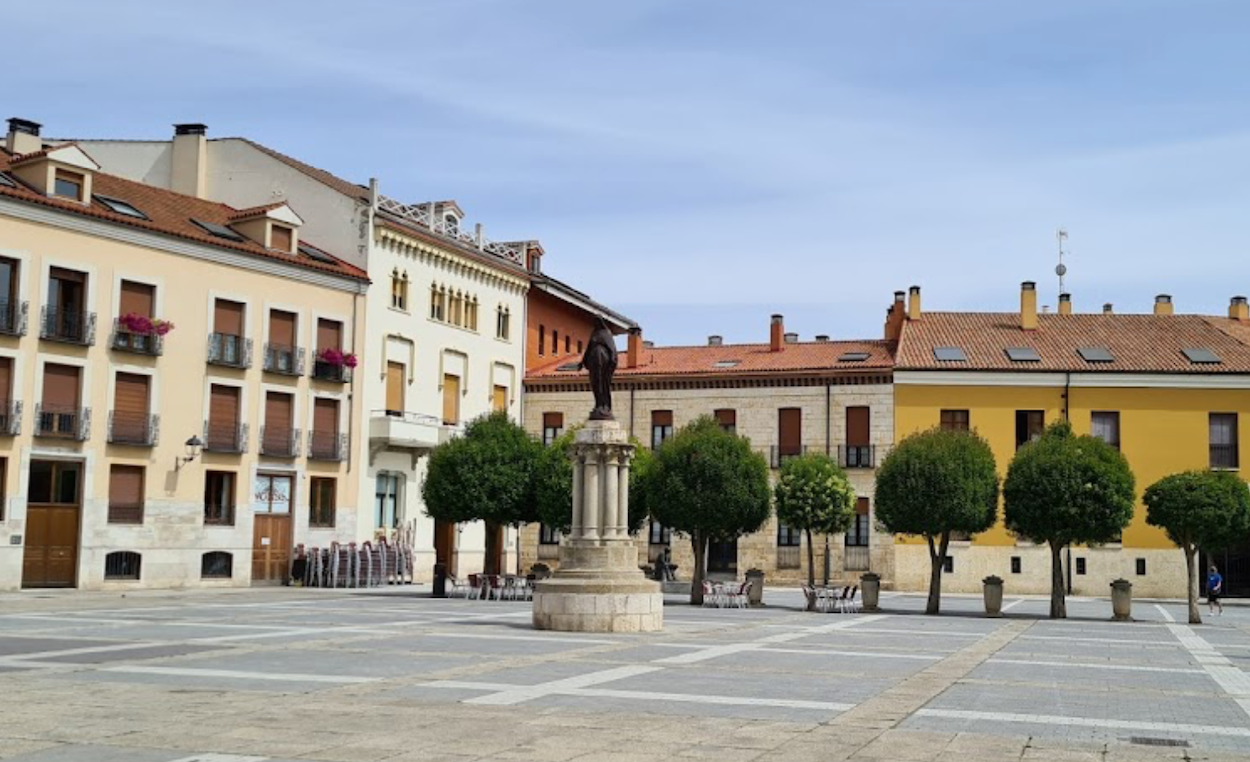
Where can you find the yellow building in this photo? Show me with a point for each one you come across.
(1167, 389)
(136, 454)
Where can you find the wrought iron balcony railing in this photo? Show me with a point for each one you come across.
(857, 456)
(10, 418)
(283, 359)
(779, 454)
(13, 317)
(63, 422)
(67, 326)
(279, 441)
(324, 371)
(126, 340)
(229, 350)
(139, 430)
(228, 438)
(327, 445)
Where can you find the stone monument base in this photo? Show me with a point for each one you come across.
(598, 604)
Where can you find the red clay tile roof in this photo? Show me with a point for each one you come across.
(256, 211)
(25, 157)
(752, 359)
(169, 213)
(328, 179)
(1138, 343)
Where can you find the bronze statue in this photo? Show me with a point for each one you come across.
(600, 362)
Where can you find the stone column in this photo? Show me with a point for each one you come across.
(577, 530)
(622, 507)
(608, 511)
(591, 494)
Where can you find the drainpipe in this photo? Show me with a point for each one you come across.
(828, 439)
(631, 411)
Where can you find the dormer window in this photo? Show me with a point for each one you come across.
(68, 185)
(280, 237)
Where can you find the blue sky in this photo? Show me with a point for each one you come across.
(703, 164)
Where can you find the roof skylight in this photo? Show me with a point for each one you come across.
(1023, 354)
(221, 231)
(1095, 354)
(1201, 356)
(569, 366)
(316, 254)
(726, 363)
(949, 354)
(7, 181)
(854, 357)
(121, 207)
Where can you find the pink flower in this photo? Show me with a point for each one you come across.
(337, 358)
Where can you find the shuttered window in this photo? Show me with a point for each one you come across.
(321, 492)
(553, 426)
(228, 317)
(857, 426)
(137, 299)
(395, 389)
(954, 420)
(728, 420)
(661, 427)
(857, 536)
(125, 494)
(60, 387)
(223, 417)
(329, 334)
(499, 399)
(326, 416)
(451, 400)
(281, 328)
(131, 402)
(6, 381)
(279, 237)
(790, 430)
(279, 420)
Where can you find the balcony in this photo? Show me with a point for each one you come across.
(231, 438)
(59, 422)
(335, 374)
(126, 340)
(136, 430)
(395, 430)
(857, 456)
(327, 446)
(279, 441)
(13, 317)
(229, 350)
(284, 360)
(67, 327)
(779, 454)
(10, 419)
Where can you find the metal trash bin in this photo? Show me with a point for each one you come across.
(755, 595)
(440, 580)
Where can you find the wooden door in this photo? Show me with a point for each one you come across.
(451, 399)
(445, 545)
(271, 533)
(52, 516)
(395, 389)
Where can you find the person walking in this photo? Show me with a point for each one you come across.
(668, 565)
(1215, 588)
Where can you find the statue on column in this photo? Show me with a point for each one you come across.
(600, 362)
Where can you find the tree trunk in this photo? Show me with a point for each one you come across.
(936, 557)
(1191, 566)
(699, 543)
(811, 570)
(491, 564)
(1058, 604)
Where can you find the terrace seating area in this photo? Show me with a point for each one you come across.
(726, 595)
(367, 565)
(832, 599)
(492, 587)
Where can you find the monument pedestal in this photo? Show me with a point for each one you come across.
(598, 586)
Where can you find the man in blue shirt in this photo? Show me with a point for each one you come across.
(1215, 588)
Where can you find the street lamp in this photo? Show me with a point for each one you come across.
(194, 445)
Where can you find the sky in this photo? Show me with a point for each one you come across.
(702, 164)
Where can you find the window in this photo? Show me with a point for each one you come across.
(399, 291)
(122, 565)
(220, 231)
(281, 353)
(10, 314)
(321, 493)
(661, 427)
(542, 340)
(1095, 354)
(857, 535)
(280, 237)
(1141, 567)
(548, 535)
(219, 498)
(121, 207)
(553, 426)
(130, 422)
(216, 564)
(125, 494)
(659, 534)
(472, 310)
(59, 413)
(788, 537)
(223, 431)
(1029, 426)
(858, 437)
(948, 565)
(949, 354)
(555, 342)
(728, 420)
(54, 482)
(789, 434)
(386, 504)
(454, 316)
(1080, 566)
(227, 345)
(1023, 354)
(68, 184)
(1106, 426)
(4, 474)
(955, 420)
(568, 344)
(451, 400)
(853, 357)
(1201, 356)
(395, 385)
(1223, 434)
(579, 347)
(503, 323)
(1015, 565)
(437, 305)
(65, 315)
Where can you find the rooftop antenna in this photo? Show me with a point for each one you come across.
(1061, 269)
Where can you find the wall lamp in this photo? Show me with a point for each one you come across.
(194, 445)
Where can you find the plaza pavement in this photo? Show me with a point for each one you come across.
(290, 674)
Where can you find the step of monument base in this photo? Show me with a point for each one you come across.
(607, 603)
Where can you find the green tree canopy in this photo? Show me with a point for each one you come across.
(485, 475)
(934, 483)
(814, 495)
(1207, 510)
(708, 484)
(1064, 489)
(553, 480)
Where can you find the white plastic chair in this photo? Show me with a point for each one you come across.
(710, 596)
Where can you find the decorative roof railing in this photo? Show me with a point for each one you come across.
(422, 214)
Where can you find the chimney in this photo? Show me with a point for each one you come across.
(648, 345)
(792, 338)
(715, 341)
(188, 172)
(1065, 304)
(1106, 309)
(1028, 305)
(633, 348)
(776, 334)
(23, 136)
(1163, 304)
(913, 303)
(1237, 309)
(823, 338)
(894, 317)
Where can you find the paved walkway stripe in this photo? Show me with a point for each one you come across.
(1166, 614)
(1096, 665)
(1227, 675)
(1013, 604)
(1086, 722)
(519, 693)
(233, 674)
(644, 696)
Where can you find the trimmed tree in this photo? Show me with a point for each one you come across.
(1199, 509)
(553, 483)
(707, 484)
(814, 495)
(935, 483)
(485, 475)
(1063, 489)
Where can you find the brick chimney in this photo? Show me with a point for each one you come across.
(777, 334)
(913, 303)
(1028, 305)
(1163, 304)
(633, 348)
(23, 136)
(1065, 304)
(1237, 309)
(188, 171)
(894, 317)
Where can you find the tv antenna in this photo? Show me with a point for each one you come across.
(1061, 269)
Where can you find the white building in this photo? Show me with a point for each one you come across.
(445, 315)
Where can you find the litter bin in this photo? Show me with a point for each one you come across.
(440, 580)
(870, 590)
(1122, 600)
(755, 595)
(993, 594)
